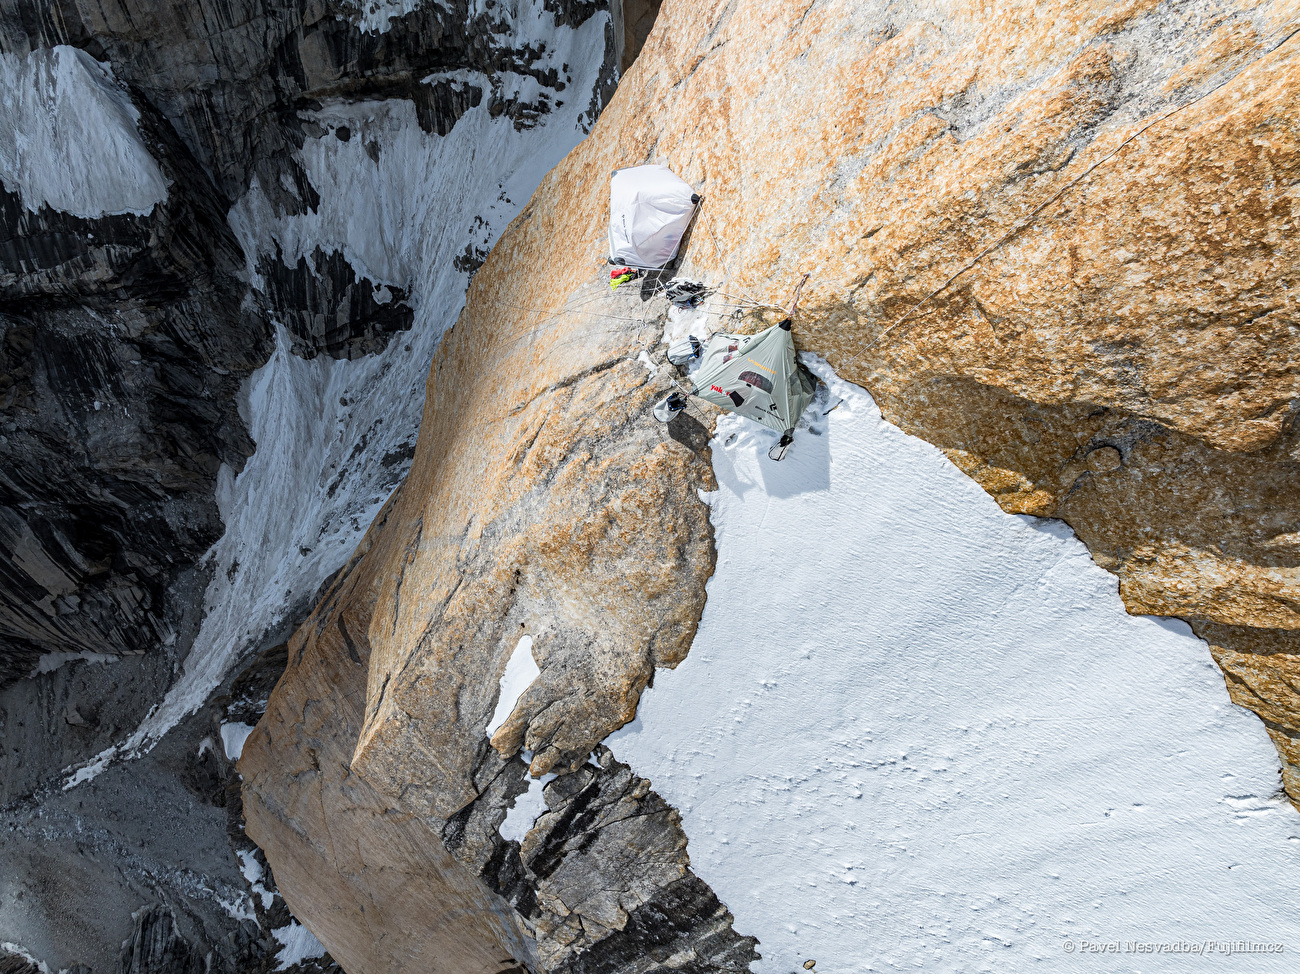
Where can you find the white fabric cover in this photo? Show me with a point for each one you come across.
(649, 210)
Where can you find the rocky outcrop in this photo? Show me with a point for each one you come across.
(156, 946)
(602, 880)
(543, 504)
(1057, 242)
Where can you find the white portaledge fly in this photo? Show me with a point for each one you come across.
(650, 208)
(916, 732)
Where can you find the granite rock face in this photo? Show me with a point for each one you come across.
(545, 504)
(1055, 240)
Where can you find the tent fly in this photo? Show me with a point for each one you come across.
(650, 208)
(756, 376)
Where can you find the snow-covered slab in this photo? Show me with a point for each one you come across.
(915, 732)
(68, 137)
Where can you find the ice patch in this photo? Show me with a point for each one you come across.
(298, 945)
(233, 736)
(526, 810)
(916, 732)
(521, 671)
(49, 662)
(68, 137)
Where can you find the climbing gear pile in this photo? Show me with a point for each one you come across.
(758, 376)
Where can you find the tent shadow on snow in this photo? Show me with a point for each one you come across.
(806, 468)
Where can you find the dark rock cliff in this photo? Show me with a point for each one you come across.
(127, 339)
(124, 339)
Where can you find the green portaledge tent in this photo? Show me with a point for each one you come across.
(758, 377)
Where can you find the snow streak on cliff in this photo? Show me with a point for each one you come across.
(916, 732)
(409, 210)
(68, 137)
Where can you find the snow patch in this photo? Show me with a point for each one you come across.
(238, 906)
(298, 944)
(49, 662)
(252, 870)
(377, 16)
(683, 322)
(17, 951)
(645, 360)
(521, 671)
(68, 137)
(233, 736)
(917, 732)
(527, 808)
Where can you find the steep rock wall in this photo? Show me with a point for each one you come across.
(176, 286)
(1056, 240)
(127, 328)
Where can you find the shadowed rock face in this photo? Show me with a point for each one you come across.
(123, 342)
(608, 881)
(327, 309)
(231, 77)
(1056, 240)
(126, 342)
(124, 339)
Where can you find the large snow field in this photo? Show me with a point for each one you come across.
(68, 136)
(917, 733)
(334, 437)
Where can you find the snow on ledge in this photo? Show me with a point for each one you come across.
(527, 808)
(49, 662)
(521, 671)
(20, 952)
(915, 732)
(68, 137)
(298, 944)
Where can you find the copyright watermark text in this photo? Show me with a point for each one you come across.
(1197, 948)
